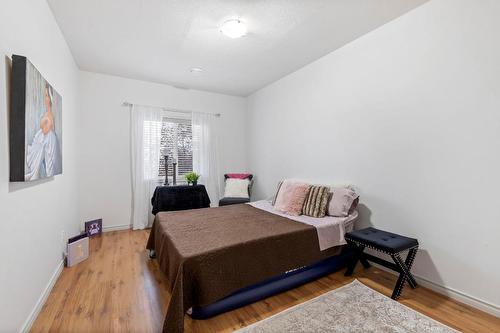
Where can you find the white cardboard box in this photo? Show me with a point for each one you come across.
(78, 251)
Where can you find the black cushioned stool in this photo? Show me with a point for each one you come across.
(388, 243)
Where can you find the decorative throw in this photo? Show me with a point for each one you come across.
(291, 197)
(238, 175)
(316, 201)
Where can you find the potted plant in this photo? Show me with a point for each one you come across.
(192, 178)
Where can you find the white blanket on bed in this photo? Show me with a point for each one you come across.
(330, 229)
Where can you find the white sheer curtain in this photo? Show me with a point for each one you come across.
(205, 158)
(145, 127)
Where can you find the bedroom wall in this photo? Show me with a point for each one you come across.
(34, 217)
(409, 113)
(104, 137)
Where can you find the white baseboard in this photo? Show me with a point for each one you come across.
(43, 298)
(116, 227)
(460, 296)
(452, 293)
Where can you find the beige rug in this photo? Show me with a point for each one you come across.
(351, 308)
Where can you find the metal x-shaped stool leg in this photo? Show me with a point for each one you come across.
(404, 272)
(358, 257)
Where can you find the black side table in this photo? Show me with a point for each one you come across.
(388, 243)
(179, 197)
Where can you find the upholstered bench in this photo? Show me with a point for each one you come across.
(388, 243)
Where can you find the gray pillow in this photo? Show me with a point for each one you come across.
(343, 201)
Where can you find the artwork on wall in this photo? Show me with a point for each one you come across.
(35, 124)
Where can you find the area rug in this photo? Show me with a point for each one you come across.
(351, 308)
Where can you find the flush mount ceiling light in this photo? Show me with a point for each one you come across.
(196, 70)
(233, 28)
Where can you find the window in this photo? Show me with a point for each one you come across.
(176, 142)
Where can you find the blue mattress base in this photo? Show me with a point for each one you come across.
(273, 286)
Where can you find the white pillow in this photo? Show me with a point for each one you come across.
(236, 188)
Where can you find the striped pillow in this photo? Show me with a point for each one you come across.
(317, 201)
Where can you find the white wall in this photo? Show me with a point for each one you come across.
(33, 215)
(104, 138)
(410, 113)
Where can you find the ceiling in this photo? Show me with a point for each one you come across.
(161, 40)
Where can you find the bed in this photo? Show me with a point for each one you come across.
(213, 255)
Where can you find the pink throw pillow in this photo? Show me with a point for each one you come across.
(291, 197)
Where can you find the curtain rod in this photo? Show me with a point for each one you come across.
(168, 109)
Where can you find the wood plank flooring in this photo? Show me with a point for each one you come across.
(119, 289)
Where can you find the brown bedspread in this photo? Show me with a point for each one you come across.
(210, 253)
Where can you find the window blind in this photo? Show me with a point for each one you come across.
(176, 142)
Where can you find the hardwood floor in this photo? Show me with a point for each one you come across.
(119, 289)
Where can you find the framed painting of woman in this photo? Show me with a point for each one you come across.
(35, 124)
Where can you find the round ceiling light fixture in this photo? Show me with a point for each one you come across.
(233, 28)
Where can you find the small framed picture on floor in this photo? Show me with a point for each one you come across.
(94, 227)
